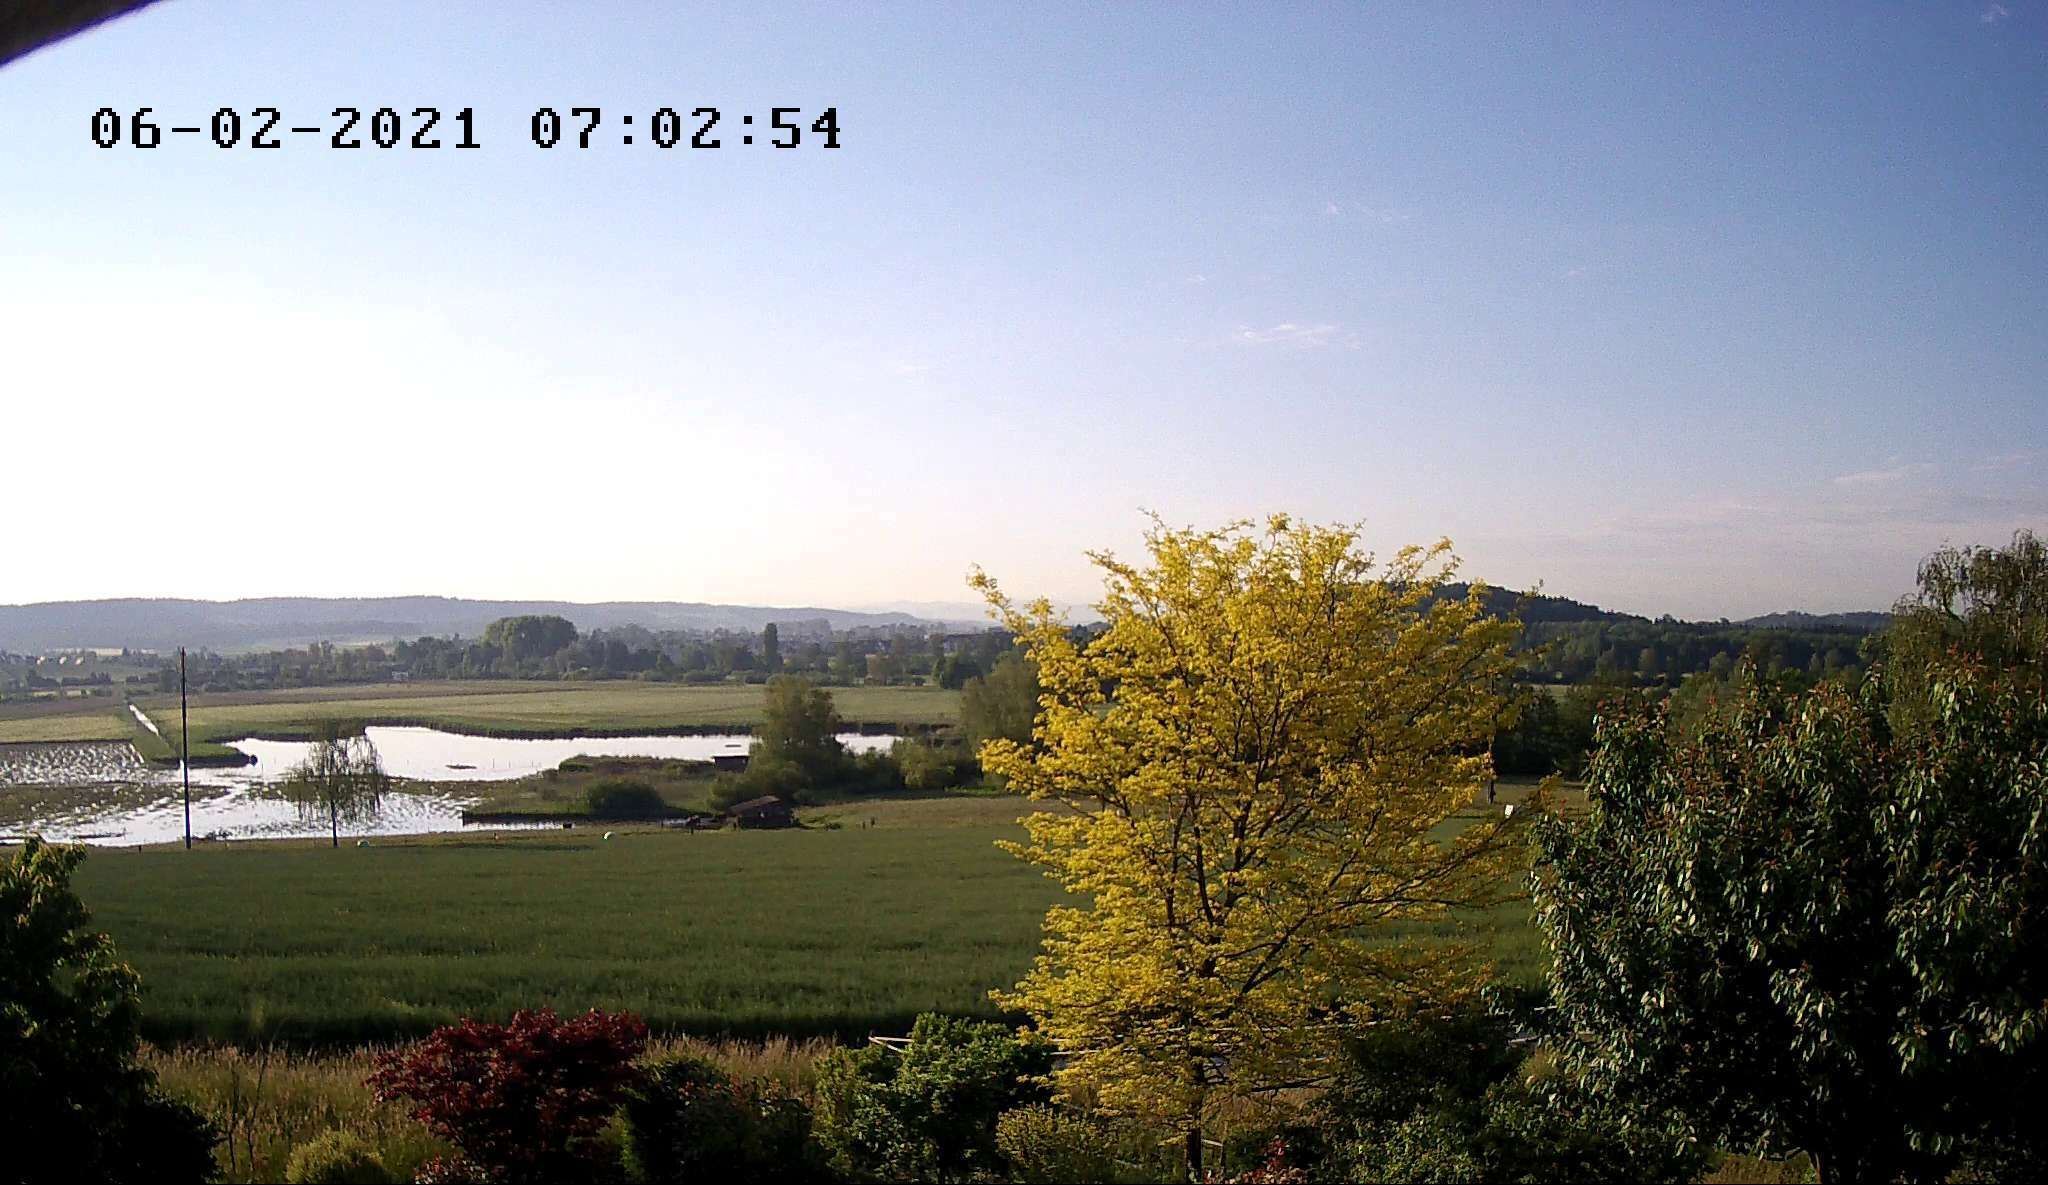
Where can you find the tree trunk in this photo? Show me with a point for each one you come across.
(334, 824)
(1191, 1145)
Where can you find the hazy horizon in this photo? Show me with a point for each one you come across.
(1711, 313)
(932, 610)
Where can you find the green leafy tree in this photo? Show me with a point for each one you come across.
(1965, 825)
(341, 779)
(1985, 607)
(952, 671)
(76, 1105)
(926, 766)
(800, 727)
(1800, 931)
(530, 637)
(771, 648)
(1002, 704)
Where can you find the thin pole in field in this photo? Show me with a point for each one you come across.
(185, 747)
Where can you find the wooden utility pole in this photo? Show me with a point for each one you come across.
(185, 747)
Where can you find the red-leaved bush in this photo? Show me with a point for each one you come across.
(522, 1100)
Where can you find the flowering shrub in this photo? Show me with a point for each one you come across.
(522, 1101)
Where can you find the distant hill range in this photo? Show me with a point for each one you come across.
(162, 624)
(154, 624)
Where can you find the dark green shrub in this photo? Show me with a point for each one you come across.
(625, 798)
(1451, 1098)
(335, 1158)
(926, 766)
(69, 1031)
(874, 772)
(690, 1122)
(930, 1112)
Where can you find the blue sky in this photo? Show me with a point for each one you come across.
(1709, 312)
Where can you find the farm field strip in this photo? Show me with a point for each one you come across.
(105, 724)
(491, 708)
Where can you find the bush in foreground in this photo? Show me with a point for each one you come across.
(930, 1112)
(522, 1101)
(71, 1092)
(335, 1158)
(1428, 1096)
(689, 1121)
(1048, 1145)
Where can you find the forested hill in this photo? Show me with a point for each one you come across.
(1795, 620)
(161, 624)
(1533, 608)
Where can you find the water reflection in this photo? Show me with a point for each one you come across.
(103, 793)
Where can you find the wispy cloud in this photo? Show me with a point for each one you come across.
(1384, 215)
(1886, 475)
(2007, 462)
(1848, 541)
(1994, 13)
(1291, 333)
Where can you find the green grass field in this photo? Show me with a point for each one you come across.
(905, 906)
(99, 726)
(496, 708)
(795, 932)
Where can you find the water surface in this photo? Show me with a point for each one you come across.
(104, 793)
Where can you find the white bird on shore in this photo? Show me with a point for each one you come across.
(607, 835)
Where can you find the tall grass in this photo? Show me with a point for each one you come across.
(267, 1101)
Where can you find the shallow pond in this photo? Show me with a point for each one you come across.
(103, 793)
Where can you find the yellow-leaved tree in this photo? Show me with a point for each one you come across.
(1247, 770)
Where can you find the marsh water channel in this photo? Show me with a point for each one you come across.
(102, 792)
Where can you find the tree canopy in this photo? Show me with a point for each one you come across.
(800, 726)
(70, 1023)
(1002, 704)
(530, 636)
(1249, 760)
(342, 779)
(1985, 607)
(1797, 930)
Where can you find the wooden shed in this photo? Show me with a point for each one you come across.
(762, 812)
